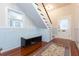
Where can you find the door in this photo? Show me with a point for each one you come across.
(64, 29)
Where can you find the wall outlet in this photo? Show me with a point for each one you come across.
(1, 49)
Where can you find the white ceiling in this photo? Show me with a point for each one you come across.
(54, 6)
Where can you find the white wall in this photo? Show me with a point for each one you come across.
(9, 37)
(47, 35)
(76, 24)
(61, 13)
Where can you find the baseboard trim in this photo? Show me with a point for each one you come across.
(9, 52)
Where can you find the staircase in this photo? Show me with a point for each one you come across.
(40, 8)
(37, 13)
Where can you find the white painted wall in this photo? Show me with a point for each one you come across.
(31, 12)
(76, 24)
(61, 13)
(10, 37)
(47, 34)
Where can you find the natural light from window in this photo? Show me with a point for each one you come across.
(15, 19)
(64, 24)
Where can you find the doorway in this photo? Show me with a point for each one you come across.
(64, 29)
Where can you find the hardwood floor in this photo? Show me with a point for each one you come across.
(24, 51)
(67, 44)
(74, 49)
(33, 49)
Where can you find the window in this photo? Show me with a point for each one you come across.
(15, 19)
(64, 25)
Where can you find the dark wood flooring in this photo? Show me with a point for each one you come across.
(33, 49)
(24, 51)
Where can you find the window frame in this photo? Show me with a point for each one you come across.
(9, 20)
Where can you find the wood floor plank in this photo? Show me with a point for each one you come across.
(33, 49)
(24, 51)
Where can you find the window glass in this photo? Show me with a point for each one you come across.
(16, 19)
(64, 24)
